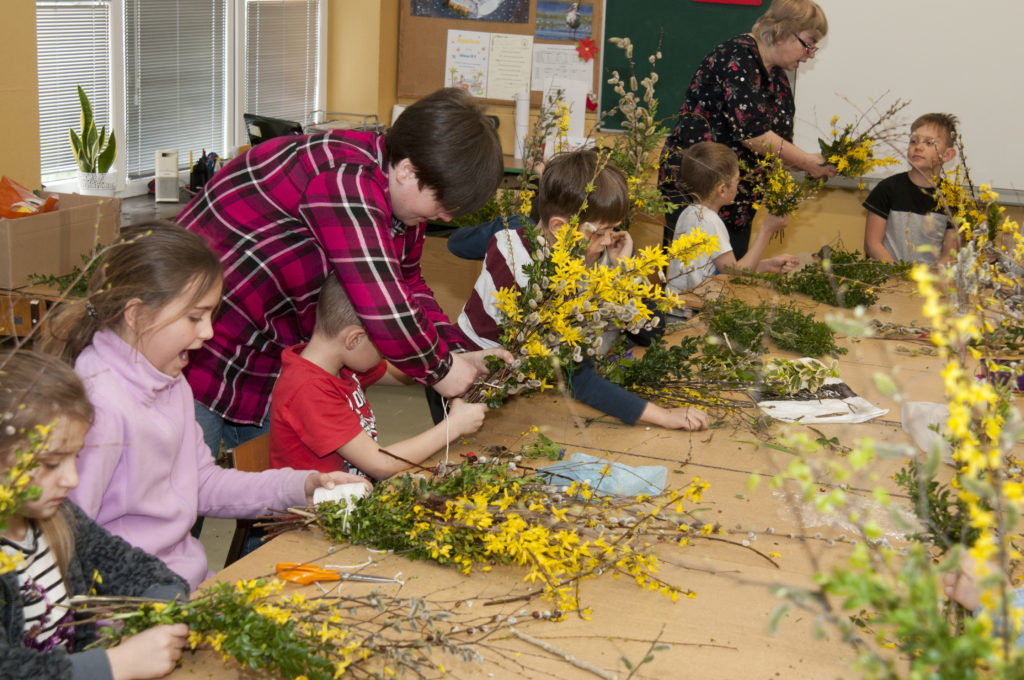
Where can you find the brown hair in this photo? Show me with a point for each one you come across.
(452, 145)
(706, 165)
(787, 17)
(563, 188)
(334, 311)
(153, 262)
(946, 122)
(36, 389)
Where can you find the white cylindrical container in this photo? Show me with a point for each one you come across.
(522, 122)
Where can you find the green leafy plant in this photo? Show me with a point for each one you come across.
(94, 150)
(839, 278)
(744, 328)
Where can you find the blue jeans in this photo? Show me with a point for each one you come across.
(216, 428)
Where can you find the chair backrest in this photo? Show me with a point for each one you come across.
(253, 455)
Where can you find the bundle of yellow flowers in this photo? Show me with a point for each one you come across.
(779, 192)
(558, 318)
(852, 151)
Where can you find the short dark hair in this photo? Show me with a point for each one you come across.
(946, 122)
(334, 310)
(563, 188)
(705, 165)
(452, 145)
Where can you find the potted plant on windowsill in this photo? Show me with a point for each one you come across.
(95, 153)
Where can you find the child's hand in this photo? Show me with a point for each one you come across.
(960, 586)
(152, 653)
(465, 418)
(774, 223)
(685, 418)
(621, 246)
(779, 263)
(479, 358)
(329, 480)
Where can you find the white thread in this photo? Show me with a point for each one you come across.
(447, 430)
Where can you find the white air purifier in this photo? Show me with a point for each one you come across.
(166, 181)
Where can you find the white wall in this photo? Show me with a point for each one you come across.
(959, 56)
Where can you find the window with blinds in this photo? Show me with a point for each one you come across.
(183, 72)
(282, 53)
(73, 46)
(175, 64)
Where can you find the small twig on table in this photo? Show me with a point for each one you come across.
(565, 656)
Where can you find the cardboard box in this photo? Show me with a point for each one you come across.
(54, 242)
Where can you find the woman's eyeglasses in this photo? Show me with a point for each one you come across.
(810, 48)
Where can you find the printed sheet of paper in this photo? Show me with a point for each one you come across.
(562, 62)
(509, 65)
(465, 62)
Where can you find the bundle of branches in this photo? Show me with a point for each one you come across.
(839, 278)
(493, 511)
(254, 625)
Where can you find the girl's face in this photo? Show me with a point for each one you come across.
(56, 474)
(165, 336)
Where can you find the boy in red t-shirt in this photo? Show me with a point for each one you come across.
(320, 418)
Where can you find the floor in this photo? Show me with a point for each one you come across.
(401, 411)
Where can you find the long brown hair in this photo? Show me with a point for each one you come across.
(36, 389)
(154, 262)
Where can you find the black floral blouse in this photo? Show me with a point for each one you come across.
(732, 97)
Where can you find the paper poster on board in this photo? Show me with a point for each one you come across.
(505, 11)
(465, 61)
(564, 20)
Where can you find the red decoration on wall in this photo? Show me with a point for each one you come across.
(586, 48)
(732, 2)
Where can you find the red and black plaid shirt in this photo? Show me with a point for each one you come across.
(282, 217)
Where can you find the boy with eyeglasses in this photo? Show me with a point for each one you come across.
(904, 220)
(562, 191)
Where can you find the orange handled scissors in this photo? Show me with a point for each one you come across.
(311, 573)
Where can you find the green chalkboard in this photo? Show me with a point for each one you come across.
(688, 30)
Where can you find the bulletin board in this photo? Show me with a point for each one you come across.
(422, 41)
(688, 29)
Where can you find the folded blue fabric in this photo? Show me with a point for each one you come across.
(621, 480)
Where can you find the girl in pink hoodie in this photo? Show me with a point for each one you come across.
(146, 473)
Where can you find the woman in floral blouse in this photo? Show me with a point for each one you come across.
(740, 96)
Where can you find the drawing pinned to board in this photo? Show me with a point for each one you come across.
(563, 20)
(466, 61)
(506, 11)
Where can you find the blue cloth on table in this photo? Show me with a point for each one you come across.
(621, 480)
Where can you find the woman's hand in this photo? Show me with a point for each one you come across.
(817, 167)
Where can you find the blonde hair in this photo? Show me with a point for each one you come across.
(788, 17)
(36, 389)
(153, 262)
(946, 122)
(706, 165)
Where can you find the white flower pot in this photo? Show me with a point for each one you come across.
(96, 183)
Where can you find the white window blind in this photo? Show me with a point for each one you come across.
(73, 48)
(175, 79)
(282, 51)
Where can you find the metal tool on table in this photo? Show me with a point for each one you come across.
(305, 574)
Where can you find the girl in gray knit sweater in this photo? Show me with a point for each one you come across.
(44, 409)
